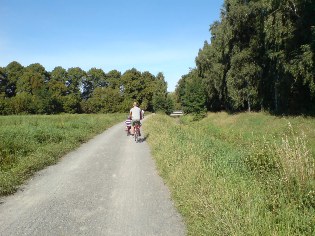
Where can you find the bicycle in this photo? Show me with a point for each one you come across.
(137, 132)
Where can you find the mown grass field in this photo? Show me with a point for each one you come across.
(29, 143)
(243, 174)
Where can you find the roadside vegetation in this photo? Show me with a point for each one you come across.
(29, 143)
(242, 174)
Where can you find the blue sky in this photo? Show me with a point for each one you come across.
(153, 35)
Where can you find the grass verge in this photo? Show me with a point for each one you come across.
(244, 174)
(29, 143)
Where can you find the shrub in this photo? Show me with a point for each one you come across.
(289, 166)
(262, 158)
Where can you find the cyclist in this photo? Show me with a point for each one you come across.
(136, 116)
(128, 125)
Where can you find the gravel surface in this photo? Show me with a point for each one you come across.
(108, 186)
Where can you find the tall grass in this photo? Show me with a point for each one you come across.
(29, 143)
(245, 174)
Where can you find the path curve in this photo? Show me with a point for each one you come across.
(108, 186)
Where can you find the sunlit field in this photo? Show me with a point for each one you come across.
(31, 142)
(243, 174)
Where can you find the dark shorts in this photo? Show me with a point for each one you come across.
(135, 122)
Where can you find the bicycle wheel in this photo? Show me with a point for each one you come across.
(136, 134)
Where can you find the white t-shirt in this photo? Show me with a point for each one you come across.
(135, 113)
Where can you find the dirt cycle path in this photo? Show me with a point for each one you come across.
(108, 186)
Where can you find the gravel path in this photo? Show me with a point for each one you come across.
(108, 186)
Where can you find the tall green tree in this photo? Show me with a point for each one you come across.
(33, 79)
(74, 85)
(33, 90)
(103, 100)
(113, 79)
(211, 69)
(160, 99)
(243, 81)
(3, 81)
(33, 82)
(149, 88)
(74, 80)
(288, 30)
(3, 86)
(14, 71)
(191, 93)
(23, 103)
(246, 50)
(57, 87)
(261, 55)
(58, 80)
(93, 79)
(131, 85)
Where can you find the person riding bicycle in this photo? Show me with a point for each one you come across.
(136, 116)
(128, 125)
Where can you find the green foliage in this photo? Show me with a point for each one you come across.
(261, 56)
(174, 101)
(159, 103)
(95, 78)
(192, 94)
(162, 103)
(71, 103)
(33, 90)
(74, 80)
(5, 105)
(244, 174)
(103, 100)
(14, 71)
(32, 80)
(22, 103)
(212, 73)
(131, 84)
(3, 80)
(289, 159)
(169, 108)
(126, 104)
(263, 159)
(57, 88)
(243, 80)
(113, 79)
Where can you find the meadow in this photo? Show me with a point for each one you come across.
(241, 174)
(29, 143)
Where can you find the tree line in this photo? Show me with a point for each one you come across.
(260, 57)
(33, 90)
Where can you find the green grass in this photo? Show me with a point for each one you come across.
(244, 174)
(31, 142)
